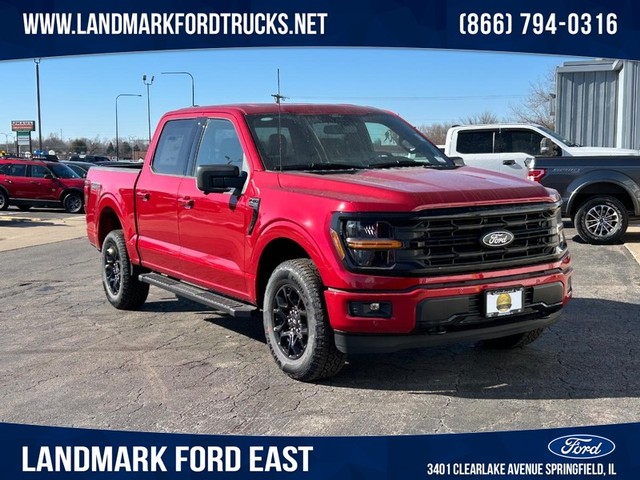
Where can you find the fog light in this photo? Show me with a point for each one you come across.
(370, 309)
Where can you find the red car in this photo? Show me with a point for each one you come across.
(29, 183)
(348, 229)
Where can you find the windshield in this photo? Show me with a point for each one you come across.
(62, 171)
(337, 142)
(557, 137)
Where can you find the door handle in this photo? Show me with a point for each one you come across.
(186, 202)
(144, 196)
(508, 162)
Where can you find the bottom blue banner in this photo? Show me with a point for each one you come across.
(29, 451)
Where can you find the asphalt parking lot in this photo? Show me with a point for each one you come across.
(68, 358)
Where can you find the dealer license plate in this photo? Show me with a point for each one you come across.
(504, 302)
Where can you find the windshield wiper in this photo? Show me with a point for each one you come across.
(322, 166)
(396, 163)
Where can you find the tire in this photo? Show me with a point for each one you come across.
(73, 203)
(296, 325)
(601, 220)
(24, 208)
(4, 200)
(513, 341)
(122, 287)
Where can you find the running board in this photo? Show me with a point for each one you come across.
(232, 307)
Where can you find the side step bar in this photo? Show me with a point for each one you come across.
(229, 306)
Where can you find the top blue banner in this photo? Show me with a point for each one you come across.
(48, 28)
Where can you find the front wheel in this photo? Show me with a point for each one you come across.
(513, 341)
(124, 290)
(296, 324)
(601, 220)
(72, 203)
(4, 200)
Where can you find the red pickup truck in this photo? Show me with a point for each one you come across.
(343, 224)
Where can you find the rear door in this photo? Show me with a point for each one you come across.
(15, 180)
(213, 227)
(477, 147)
(156, 196)
(516, 145)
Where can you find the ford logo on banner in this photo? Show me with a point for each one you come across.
(581, 447)
(497, 238)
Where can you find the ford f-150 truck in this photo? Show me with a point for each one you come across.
(504, 147)
(600, 194)
(343, 224)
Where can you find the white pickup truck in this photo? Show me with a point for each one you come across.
(504, 147)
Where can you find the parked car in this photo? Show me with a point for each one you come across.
(344, 224)
(29, 183)
(504, 147)
(600, 194)
(89, 158)
(81, 168)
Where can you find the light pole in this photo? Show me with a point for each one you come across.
(193, 85)
(148, 84)
(37, 62)
(6, 140)
(117, 139)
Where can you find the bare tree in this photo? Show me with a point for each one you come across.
(537, 106)
(436, 132)
(480, 118)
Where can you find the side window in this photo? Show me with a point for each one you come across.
(18, 170)
(4, 169)
(526, 141)
(39, 171)
(174, 147)
(220, 145)
(475, 142)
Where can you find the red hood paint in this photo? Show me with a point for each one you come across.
(412, 189)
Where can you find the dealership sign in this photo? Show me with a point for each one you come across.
(23, 125)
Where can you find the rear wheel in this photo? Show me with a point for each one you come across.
(72, 203)
(4, 200)
(513, 341)
(124, 290)
(296, 324)
(601, 220)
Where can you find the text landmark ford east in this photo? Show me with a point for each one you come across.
(343, 224)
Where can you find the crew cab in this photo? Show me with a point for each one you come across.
(505, 147)
(600, 194)
(28, 183)
(344, 225)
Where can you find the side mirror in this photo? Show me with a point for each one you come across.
(548, 148)
(219, 178)
(458, 161)
(48, 176)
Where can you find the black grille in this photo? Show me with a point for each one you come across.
(448, 241)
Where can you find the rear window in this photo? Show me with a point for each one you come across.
(174, 147)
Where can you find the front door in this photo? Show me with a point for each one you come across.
(213, 227)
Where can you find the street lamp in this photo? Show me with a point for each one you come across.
(193, 85)
(148, 84)
(6, 140)
(117, 140)
(37, 62)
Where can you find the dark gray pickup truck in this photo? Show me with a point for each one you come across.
(600, 194)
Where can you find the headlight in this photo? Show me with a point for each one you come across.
(368, 243)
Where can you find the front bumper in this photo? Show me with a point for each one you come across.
(444, 313)
(353, 344)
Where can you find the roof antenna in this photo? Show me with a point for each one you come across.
(279, 98)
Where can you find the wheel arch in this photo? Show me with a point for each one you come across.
(618, 186)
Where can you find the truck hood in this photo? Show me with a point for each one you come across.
(418, 188)
(599, 151)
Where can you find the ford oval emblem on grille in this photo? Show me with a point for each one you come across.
(497, 239)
